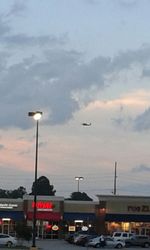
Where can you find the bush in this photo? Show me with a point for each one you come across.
(23, 231)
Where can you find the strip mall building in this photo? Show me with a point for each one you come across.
(57, 216)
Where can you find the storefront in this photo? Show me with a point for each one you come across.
(124, 213)
(79, 215)
(11, 212)
(56, 216)
(48, 216)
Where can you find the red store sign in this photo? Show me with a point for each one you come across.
(43, 205)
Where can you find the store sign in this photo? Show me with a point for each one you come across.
(55, 228)
(84, 228)
(137, 209)
(43, 205)
(8, 206)
(72, 229)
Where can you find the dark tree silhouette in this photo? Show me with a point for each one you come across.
(43, 187)
(23, 231)
(16, 193)
(78, 196)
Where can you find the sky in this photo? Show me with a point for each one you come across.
(76, 61)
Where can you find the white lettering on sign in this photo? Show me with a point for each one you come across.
(8, 205)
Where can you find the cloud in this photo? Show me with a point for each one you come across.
(91, 1)
(128, 3)
(4, 27)
(21, 40)
(141, 168)
(142, 121)
(31, 84)
(17, 8)
(1, 146)
(52, 78)
(49, 84)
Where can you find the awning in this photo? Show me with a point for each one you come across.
(13, 215)
(127, 217)
(79, 216)
(52, 216)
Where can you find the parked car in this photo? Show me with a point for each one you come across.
(70, 237)
(122, 235)
(109, 241)
(7, 240)
(138, 240)
(82, 240)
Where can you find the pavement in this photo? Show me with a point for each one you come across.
(56, 245)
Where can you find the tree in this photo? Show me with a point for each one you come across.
(78, 196)
(43, 187)
(16, 193)
(23, 231)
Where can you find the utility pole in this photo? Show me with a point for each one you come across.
(115, 179)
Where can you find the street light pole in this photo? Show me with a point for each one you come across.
(36, 115)
(78, 179)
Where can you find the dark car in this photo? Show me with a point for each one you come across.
(70, 237)
(138, 240)
(83, 240)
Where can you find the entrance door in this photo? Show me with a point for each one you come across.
(5, 228)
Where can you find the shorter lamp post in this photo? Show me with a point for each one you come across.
(78, 179)
(36, 115)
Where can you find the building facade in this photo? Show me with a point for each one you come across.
(57, 216)
(11, 212)
(124, 213)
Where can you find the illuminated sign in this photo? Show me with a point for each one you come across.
(48, 227)
(43, 205)
(55, 228)
(72, 229)
(84, 228)
(8, 205)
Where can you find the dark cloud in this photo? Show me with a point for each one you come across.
(126, 59)
(4, 27)
(141, 168)
(17, 8)
(48, 84)
(142, 121)
(48, 78)
(22, 40)
(1, 146)
(121, 120)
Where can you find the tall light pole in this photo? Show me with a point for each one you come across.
(78, 179)
(36, 115)
(115, 179)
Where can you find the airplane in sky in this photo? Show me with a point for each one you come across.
(86, 124)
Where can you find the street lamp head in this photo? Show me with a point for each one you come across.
(36, 115)
(77, 178)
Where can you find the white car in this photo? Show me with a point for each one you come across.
(122, 235)
(7, 240)
(110, 242)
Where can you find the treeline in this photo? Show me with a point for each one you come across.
(43, 188)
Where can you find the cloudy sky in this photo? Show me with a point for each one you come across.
(76, 61)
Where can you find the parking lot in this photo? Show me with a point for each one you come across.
(63, 245)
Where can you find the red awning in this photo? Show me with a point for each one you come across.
(53, 216)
